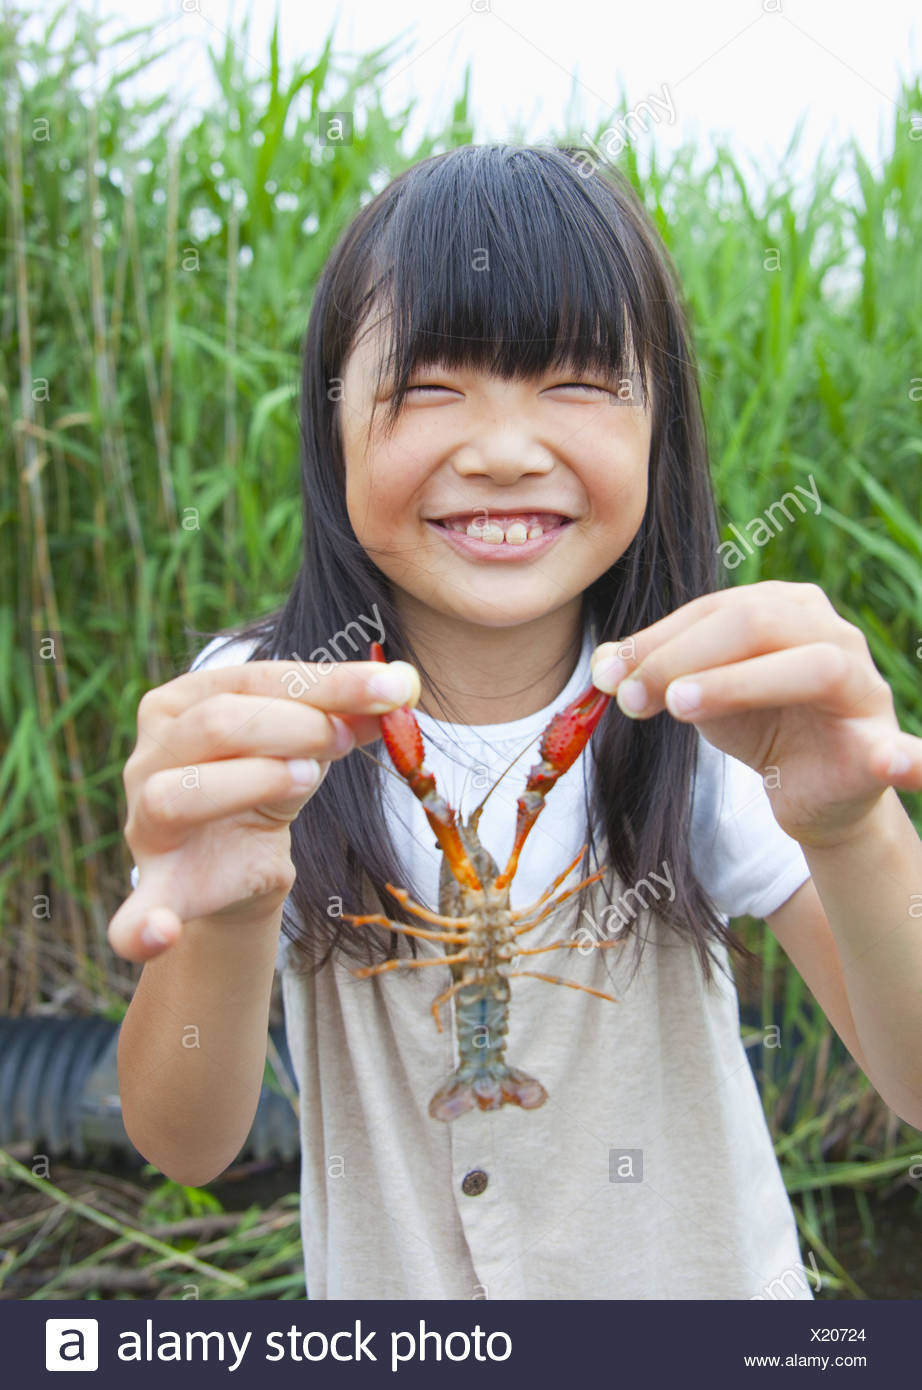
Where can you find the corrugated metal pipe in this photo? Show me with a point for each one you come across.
(59, 1092)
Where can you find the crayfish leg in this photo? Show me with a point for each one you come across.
(556, 980)
(526, 911)
(418, 910)
(563, 946)
(367, 971)
(555, 903)
(377, 920)
(443, 998)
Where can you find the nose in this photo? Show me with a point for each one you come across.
(503, 454)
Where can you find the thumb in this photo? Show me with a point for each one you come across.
(141, 930)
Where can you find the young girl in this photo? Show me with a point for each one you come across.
(534, 502)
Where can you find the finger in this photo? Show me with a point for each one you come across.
(819, 673)
(230, 725)
(718, 640)
(163, 902)
(306, 776)
(755, 608)
(340, 687)
(899, 763)
(138, 932)
(174, 800)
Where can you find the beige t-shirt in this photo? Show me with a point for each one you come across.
(648, 1173)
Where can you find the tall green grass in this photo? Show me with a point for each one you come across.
(155, 285)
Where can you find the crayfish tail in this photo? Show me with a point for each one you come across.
(483, 1077)
(488, 1087)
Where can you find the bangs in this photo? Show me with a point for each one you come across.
(506, 263)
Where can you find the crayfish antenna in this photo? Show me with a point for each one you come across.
(564, 739)
(474, 817)
(404, 741)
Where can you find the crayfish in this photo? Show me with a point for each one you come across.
(475, 914)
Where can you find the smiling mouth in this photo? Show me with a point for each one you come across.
(512, 529)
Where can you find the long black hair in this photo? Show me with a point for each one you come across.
(578, 275)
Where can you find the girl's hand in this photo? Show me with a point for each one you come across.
(211, 792)
(785, 685)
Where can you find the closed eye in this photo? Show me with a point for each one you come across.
(579, 385)
(560, 386)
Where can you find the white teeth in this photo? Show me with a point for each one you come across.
(495, 532)
(483, 530)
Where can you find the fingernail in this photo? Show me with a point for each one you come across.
(397, 684)
(151, 935)
(682, 697)
(607, 672)
(632, 696)
(305, 773)
(899, 763)
(344, 738)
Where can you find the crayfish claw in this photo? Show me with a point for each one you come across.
(404, 741)
(561, 744)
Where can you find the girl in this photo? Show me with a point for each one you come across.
(535, 500)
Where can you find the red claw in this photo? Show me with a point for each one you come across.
(404, 741)
(401, 732)
(564, 739)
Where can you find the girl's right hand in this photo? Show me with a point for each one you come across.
(211, 795)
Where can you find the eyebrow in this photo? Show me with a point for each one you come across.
(553, 369)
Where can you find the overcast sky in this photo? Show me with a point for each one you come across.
(745, 70)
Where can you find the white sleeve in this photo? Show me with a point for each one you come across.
(230, 653)
(743, 859)
(281, 957)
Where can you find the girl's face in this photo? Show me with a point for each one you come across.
(505, 459)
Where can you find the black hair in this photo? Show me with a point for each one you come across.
(578, 276)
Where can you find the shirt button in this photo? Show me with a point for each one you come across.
(474, 1182)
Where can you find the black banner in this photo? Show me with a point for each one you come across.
(136, 1343)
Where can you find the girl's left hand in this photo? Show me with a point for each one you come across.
(785, 685)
